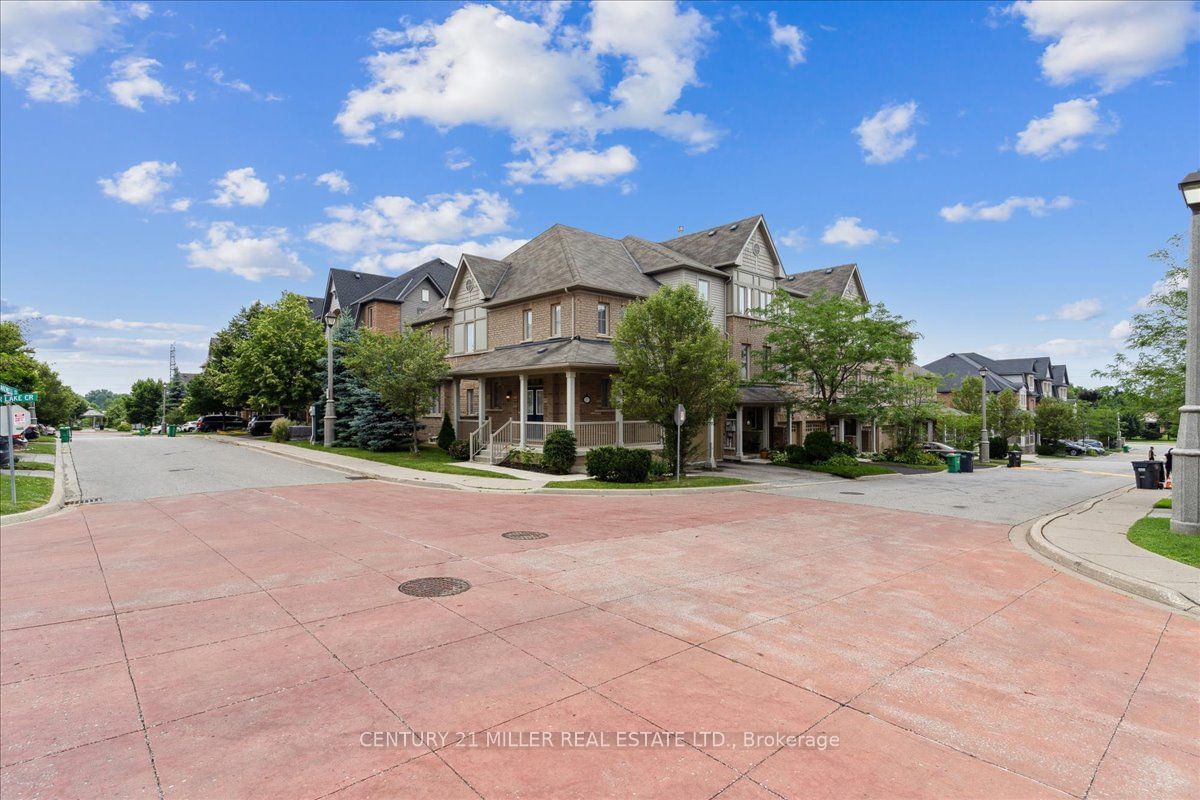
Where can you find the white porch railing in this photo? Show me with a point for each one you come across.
(639, 433)
(504, 440)
(595, 434)
(536, 432)
(479, 438)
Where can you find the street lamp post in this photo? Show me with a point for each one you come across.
(330, 414)
(1185, 472)
(985, 447)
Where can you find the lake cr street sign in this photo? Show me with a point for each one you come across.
(27, 397)
(6, 389)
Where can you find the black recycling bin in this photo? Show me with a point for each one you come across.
(1014, 458)
(1148, 474)
(966, 462)
(1159, 471)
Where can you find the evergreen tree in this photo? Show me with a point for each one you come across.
(362, 418)
(446, 436)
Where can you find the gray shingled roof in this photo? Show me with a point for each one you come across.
(760, 395)
(488, 273)
(316, 307)
(654, 257)
(555, 354)
(956, 366)
(351, 286)
(564, 257)
(719, 246)
(1058, 373)
(399, 287)
(831, 280)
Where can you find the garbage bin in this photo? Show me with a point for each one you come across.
(967, 462)
(1147, 474)
(952, 462)
(64, 433)
(1124, 448)
(1158, 473)
(143, 431)
(1014, 458)
(171, 430)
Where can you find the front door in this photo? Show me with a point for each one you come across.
(534, 413)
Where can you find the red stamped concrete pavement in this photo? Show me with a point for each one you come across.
(241, 644)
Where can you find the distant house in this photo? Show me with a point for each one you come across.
(316, 307)
(384, 302)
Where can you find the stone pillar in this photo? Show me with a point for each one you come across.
(571, 400)
(1185, 463)
(738, 433)
(524, 410)
(620, 418)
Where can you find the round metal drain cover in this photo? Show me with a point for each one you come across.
(525, 535)
(434, 587)
(858, 493)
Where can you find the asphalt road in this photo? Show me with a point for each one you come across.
(115, 467)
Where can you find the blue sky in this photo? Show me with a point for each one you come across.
(998, 171)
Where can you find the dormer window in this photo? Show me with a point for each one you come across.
(424, 295)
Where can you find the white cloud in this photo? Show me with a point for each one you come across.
(142, 184)
(335, 181)
(394, 223)
(1172, 283)
(218, 77)
(1078, 311)
(1063, 130)
(544, 86)
(1002, 212)
(789, 38)
(28, 314)
(1115, 43)
(568, 167)
(140, 10)
(457, 158)
(40, 43)
(130, 82)
(1121, 330)
(182, 204)
(240, 251)
(239, 187)
(888, 135)
(849, 231)
(795, 239)
(402, 260)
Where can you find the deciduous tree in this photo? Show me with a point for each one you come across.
(277, 366)
(144, 404)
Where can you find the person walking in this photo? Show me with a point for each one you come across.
(1167, 458)
(1151, 455)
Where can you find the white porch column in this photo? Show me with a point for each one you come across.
(929, 431)
(875, 436)
(712, 443)
(768, 413)
(738, 437)
(455, 388)
(791, 427)
(482, 400)
(524, 412)
(841, 429)
(620, 418)
(571, 400)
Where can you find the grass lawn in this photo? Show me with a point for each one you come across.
(856, 471)
(429, 459)
(1154, 534)
(1163, 503)
(41, 448)
(24, 463)
(31, 493)
(689, 482)
(927, 467)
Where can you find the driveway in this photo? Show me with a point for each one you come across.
(253, 643)
(115, 467)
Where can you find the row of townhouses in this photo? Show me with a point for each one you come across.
(529, 336)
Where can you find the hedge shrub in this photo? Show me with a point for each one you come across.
(618, 464)
(558, 452)
(845, 449)
(459, 449)
(997, 446)
(281, 430)
(796, 454)
(819, 446)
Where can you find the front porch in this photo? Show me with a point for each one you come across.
(761, 422)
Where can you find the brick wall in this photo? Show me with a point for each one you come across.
(382, 316)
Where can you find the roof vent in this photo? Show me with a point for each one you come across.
(829, 271)
(680, 230)
(733, 227)
(712, 232)
(542, 349)
(356, 276)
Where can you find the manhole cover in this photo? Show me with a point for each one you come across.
(525, 535)
(434, 587)
(858, 493)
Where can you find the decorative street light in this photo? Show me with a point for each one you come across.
(1185, 501)
(985, 447)
(330, 414)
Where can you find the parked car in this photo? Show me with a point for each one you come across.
(1075, 448)
(219, 422)
(1096, 443)
(157, 429)
(190, 426)
(32, 433)
(939, 449)
(260, 424)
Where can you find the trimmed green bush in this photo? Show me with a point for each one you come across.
(796, 454)
(841, 460)
(281, 430)
(845, 449)
(459, 450)
(618, 464)
(445, 436)
(998, 446)
(819, 446)
(558, 452)
(1054, 449)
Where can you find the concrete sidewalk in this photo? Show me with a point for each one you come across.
(375, 469)
(1092, 540)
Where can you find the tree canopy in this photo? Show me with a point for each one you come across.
(144, 403)
(1056, 420)
(911, 403)
(275, 367)
(834, 356)
(57, 403)
(670, 354)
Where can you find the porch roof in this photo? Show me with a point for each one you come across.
(760, 396)
(545, 355)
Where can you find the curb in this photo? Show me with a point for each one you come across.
(1128, 584)
(57, 495)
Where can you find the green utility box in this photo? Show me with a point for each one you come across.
(952, 462)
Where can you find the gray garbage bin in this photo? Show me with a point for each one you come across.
(1148, 474)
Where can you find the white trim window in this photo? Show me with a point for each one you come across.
(745, 362)
(472, 403)
(527, 324)
(470, 330)
(424, 295)
(435, 408)
(556, 319)
(702, 289)
(602, 319)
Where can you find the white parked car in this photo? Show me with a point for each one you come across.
(190, 426)
(156, 429)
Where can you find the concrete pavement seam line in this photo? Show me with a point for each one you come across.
(1118, 580)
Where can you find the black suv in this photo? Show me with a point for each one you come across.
(219, 422)
(260, 424)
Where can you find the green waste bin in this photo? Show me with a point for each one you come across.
(1124, 448)
(170, 430)
(143, 431)
(952, 462)
(64, 434)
